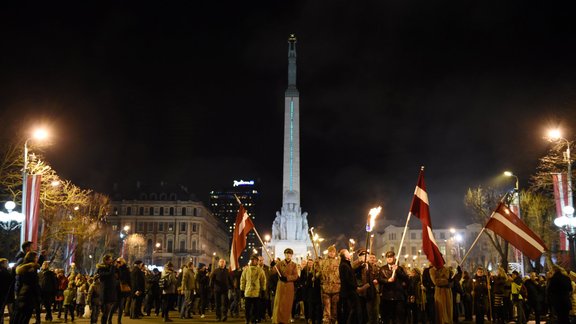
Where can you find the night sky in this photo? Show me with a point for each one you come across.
(193, 93)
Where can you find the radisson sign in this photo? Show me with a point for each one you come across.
(243, 183)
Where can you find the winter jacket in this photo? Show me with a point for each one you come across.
(108, 283)
(171, 281)
(253, 281)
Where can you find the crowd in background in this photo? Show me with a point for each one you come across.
(341, 287)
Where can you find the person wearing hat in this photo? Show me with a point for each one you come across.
(287, 274)
(330, 284)
(28, 289)
(392, 292)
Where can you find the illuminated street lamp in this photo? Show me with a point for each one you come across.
(39, 134)
(11, 215)
(123, 236)
(567, 224)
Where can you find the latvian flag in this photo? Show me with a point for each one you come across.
(243, 226)
(421, 209)
(512, 229)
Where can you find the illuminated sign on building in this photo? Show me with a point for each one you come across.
(243, 183)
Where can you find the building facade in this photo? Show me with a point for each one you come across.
(165, 223)
(224, 206)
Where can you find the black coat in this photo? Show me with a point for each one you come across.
(220, 280)
(108, 283)
(137, 280)
(392, 290)
(28, 292)
(559, 291)
(348, 283)
(48, 282)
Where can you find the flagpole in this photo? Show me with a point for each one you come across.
(470, 248)
(260, 239)
(479, 234)
(403, 236)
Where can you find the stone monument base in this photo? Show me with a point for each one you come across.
(302, 250)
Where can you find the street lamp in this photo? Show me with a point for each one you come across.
(123, 236)
(38, 134)
(567, 224)
(555, 135)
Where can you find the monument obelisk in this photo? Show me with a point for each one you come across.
(290, 228)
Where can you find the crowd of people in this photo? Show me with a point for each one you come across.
(343, 287)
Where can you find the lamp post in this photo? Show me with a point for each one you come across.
(517, 203)
(123, 236)
(567, 224)
(39, 134)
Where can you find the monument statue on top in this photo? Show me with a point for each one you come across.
(290, 228)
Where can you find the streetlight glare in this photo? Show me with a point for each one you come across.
(508, 173)
(40, 134)
(126, 228)
(554, 134)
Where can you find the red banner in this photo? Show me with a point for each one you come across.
(31, 219)
(561, 198)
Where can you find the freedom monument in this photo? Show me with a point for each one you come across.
(290, 228)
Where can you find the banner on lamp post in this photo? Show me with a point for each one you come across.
(31, 219)
(560, 182)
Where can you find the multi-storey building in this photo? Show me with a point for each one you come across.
(452, 242)
(166, 223)
(224, 205)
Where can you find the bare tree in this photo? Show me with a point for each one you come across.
(482, 203)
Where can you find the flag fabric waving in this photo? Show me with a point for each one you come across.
(511, 228)
(421, 209)
(242, 227)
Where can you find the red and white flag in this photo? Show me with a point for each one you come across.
(421, 209)
(560, 183)
(243, 226)
(33, 183)
(512, 229)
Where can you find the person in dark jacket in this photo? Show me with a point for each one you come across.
(6, 287)
(153, 292)
(430, 312)
(349, 289)
(123, 296)
(480, 295)
(559, 291)
(392, 292)
(535, 296)
(28, 289)
(202, 287)
(48, 287)
(138, 287)
(106, 272)
(220, 283)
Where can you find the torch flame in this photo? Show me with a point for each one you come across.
(374, 212)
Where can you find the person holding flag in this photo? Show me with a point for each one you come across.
(287, 275)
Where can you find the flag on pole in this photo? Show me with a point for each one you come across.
(512, 229)
(421, 209)
(242, 227)
(33, 183)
